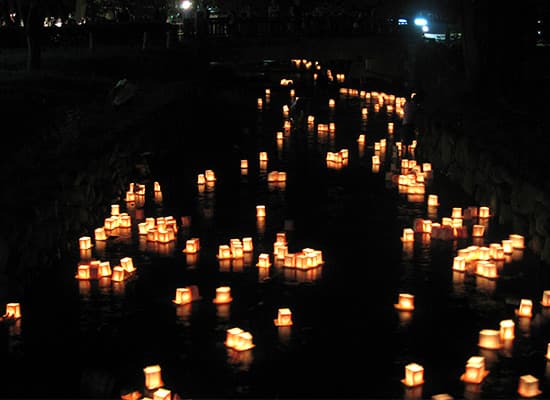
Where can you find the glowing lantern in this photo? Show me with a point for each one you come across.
(104, 269)
(244, 164)
(244, 341)
(281, 176)
(433, 200)
(456, 213)
(284, 317)
(548, 351)
(191, 246)
(125, 221)
(364, 112)
(13, 311)
(375, 160)
(310, 119)
(268, 92)
(115, 209)
(83, 272)
(408, 235)
(414, 375)
(263, 156)
(361, 139)
(237, 250)
(459, 264)
(232, 336)
(426, 226)
(118, 274)
(483, 253)
(85, 243)
(507, 246)
(130, 197)
(489, 339)
(478, 230)
(518, 241)
(247, 244)
(331, 103)
(487, 269)
(260, 211)
(496, 251)
(390, 127)
(426, 167)
(153, 377)
(525, 308)
(507, 327)
(127, 264)
(545, 298)
(209, 175)
(162, 394)
(483, 212)
(406, 302)
(475, 370)
(99, 234)
(201, 179)
(263, 261)
(281, 252)
(223, 295)
(290, 260)
(528, 386)
(183, 296)
(260, 102)
(224, 252)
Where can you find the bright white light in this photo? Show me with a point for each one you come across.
(402, 21)
(425, 28)
(420, 21)
(186, 4)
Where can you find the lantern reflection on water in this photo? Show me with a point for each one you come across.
(475, 370)
(153, 377)
(284, 317)
(528, 386)
(414, 375)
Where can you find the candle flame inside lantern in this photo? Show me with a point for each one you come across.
(414, 375)
(284, 317)
(475, 370)
(406, 302)
(153, 377)
(525, 308)
(223, 295)
(13, 311)
(528, 386)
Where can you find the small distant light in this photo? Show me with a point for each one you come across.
(425, 28)
(420, 21)
(402, 21)
(186, 4)
(539, 32)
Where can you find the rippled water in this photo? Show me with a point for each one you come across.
(93, 338)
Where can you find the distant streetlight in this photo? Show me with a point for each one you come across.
(186, 5)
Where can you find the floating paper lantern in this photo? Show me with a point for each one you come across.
(183, 296)
(331, 103)
(191, 246)
(478, 231)
(456, 212)
(408, 235)
(118, 274)
(99, 234)
(484, 212)
(244, 342)
(223, 295)
(507, 246)
(545, 298)
(201, 179)
(260, 102)
(85, 243)
(263, 156)
(290, 260)
(244, 164)
(247, 244)
(237, 250)
(406, 302)
(162, 394)
(433, 200)
(268, 92)
(487, 269)
(260, 211)
(525, 308)
(127, 264)
(115, 209)
(83, 272)
(224, 252)
(459, 264)
(13, 311)
(263, 261)
(231, 336)
(361, 139)
(284, 317)
(153, 377)
(390, 127)
(414, 375)
(310, 119)
(518, 241)
(281, 252)
(475, 370)
(496, 251)
(209, 175)
(104, 269)
(125, 220)
(489, 339)
(507, 329)
(528, 386)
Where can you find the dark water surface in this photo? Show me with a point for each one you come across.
(93, 339)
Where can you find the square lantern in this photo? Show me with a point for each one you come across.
(260, 102)
(518, 241)
(244, 164)
(183, 296)
(475, 370)
(143, 228)
(104, 269)
(545, 298)
(456, 212)
(244, 341)
(248, 244)
(223, 295)
(191, 246)
(433, 200)
(231, 336)
(459, 264)
(414, 375)
(125, 221)
(263, 261)
(237, 250)
(528, 386)
(290, 260)
(284, 317)
(496, 251)
(263, 156)
(375, 160)
(408, 235)
(85, 243)
(478, 230)
(260, 211)
(548, 351)
(118, 274)
(162, 394)
(13, 311)
(83, 272)
(128, 264)
(115, 209)
(525, 308)
(201, 179)
(153, 377)
(483, 212)
(507, 246)
(99, 234)
(489, 339)
(281, 252)
(224, 252)
(507, 329)
(405, 303)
